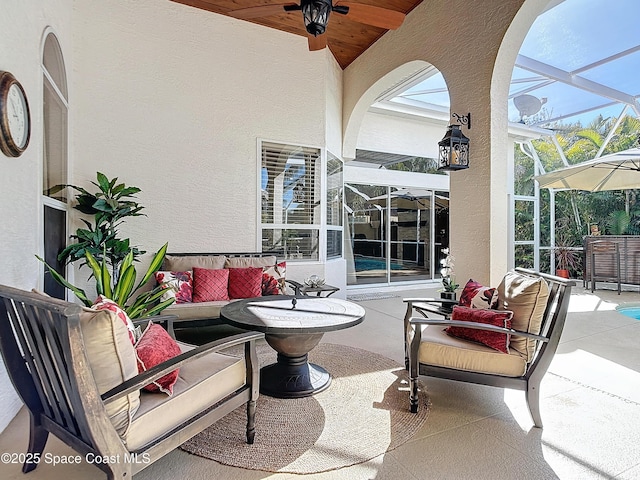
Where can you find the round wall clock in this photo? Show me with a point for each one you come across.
(15, 122)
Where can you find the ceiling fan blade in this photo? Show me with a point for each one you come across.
(375, 16)
(262, 11)
(317, 43)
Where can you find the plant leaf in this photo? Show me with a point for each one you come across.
(82, 296)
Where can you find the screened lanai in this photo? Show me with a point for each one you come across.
(574, 88)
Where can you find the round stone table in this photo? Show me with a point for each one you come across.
(293, 326)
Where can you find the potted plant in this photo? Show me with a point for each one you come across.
(108, 207)
(567, 257)
(121, 287)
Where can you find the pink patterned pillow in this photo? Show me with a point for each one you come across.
(210, 284)
(273, 279)
(476, 295)
(245, 282)
(154, 347)
(178, 285)
(104, 303)
(499, 318)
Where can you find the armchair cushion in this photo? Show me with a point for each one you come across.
(527, 298)
(154, 347)
(476, 295)
(196, 388)
(104, 303)
(440, 349)
(112, 359)
(500, 318)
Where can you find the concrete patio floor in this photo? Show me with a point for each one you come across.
(590, 407)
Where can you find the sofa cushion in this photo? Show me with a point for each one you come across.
(154, 347)
(195, 311)
(440, 349)
(245, 282)
(104, 303)
(527, 298)
(201, 383)
(210, 284)
(499, 318)
(476, 295)
(273, 279)
(182, 263)
(245, 262)
(178, 285)
(112, 359)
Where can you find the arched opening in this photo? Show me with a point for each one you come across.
(55, 159)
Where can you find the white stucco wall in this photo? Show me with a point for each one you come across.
(22, 24)
(396, 134)
(462, 40)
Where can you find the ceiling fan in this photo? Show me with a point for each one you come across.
(315, 14)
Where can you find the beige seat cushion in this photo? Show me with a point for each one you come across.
(112, 359)
(184, 263)
(442, 350)
(195, 311)
(527, 298)
(246, 262)
(201, 383)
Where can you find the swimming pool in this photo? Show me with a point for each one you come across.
(630, 310)
(365, 264)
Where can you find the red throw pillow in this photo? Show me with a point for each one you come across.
(104, 303)
(210, 285)
(476, 295)
(154, 347)
(495, 340)
(245, 282)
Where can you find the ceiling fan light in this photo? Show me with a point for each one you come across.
(316, 15)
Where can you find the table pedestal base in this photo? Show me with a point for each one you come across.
(293, 377)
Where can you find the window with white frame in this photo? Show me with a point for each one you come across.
(334, 206)
(290, 200)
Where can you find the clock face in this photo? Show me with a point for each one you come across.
(18, 119)
(15, 123)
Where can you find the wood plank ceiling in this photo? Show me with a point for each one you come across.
(346, 39)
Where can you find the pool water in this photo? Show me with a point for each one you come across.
(630, 310)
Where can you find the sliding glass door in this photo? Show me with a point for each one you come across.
(394, 234)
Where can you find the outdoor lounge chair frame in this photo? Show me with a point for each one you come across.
(43, 350)
(546, 345)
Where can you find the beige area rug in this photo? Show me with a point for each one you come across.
(363, 414)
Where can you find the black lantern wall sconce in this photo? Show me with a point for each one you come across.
(454, 147)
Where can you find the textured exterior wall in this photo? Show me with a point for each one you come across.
(22, 25)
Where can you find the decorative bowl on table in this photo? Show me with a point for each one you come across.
(314, 281)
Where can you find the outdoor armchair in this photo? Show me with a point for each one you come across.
(538, 301)
(76, 370)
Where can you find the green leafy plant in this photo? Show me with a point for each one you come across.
(109, 206)
(121, 288)
(567, 255)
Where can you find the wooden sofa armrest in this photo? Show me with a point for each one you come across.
(160, 370)
(476, 326)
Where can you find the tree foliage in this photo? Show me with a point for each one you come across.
(615, 212)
